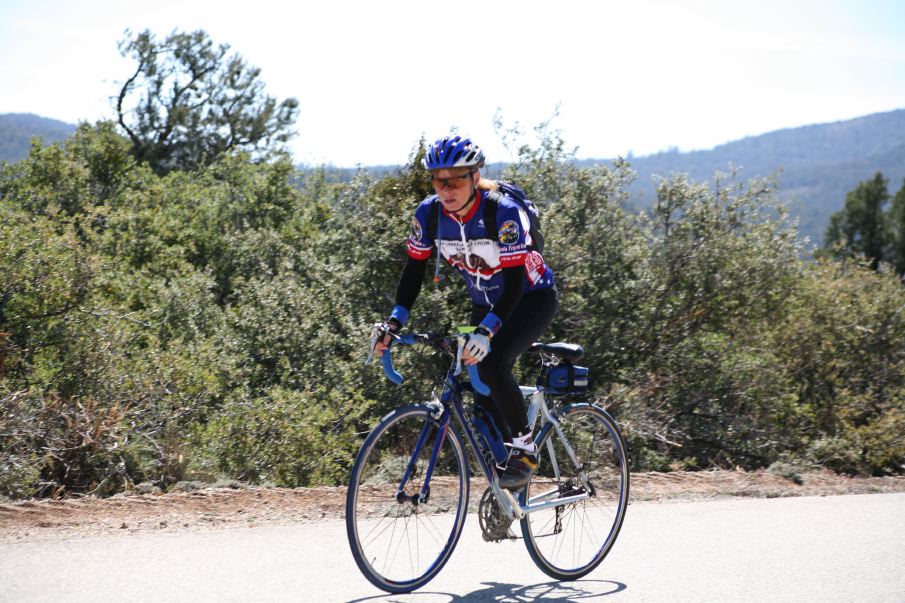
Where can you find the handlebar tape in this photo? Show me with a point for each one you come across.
(393, 375)
(478, 385)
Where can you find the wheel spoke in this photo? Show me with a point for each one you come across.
(400, 546)
(568, 541)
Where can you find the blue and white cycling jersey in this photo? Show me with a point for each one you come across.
(478, 257)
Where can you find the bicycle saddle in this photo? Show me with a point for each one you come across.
(567, 351)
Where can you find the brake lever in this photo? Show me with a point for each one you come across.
(378, 331)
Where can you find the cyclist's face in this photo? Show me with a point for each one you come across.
(454, 186)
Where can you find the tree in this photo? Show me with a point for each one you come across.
(897, 234)
(188, 101)
(860, 228)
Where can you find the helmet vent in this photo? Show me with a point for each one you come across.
(450, 152)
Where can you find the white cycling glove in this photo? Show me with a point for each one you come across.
(478, 344)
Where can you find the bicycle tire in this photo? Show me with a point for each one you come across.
(569, 541)
(401, 546)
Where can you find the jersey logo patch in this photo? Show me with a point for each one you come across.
(416, 229)
(509, 232)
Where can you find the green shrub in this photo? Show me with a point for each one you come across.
(840, 341)
(286, 438)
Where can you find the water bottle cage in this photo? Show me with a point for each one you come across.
(483, 446)
(489, 438)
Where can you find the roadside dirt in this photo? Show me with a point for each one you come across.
(217, 508)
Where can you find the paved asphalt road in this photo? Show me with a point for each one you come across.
(841, 548)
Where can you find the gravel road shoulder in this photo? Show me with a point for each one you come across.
(218, 508)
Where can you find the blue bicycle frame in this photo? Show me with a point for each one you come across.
(575, 527)
(451, 400)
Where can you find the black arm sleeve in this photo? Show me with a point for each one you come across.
(410, 282)
(513, 289)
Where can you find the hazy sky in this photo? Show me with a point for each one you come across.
(372, 77)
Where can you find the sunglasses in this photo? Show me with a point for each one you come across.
(453, 182)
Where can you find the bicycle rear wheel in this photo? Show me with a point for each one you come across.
(402, 534)
(568, 541)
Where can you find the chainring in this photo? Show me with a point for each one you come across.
(495, 526)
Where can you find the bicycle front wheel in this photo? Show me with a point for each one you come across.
(568, 541)
(403, 528)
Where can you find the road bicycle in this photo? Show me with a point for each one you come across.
(409, 488)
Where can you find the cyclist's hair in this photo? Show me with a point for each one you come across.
(486, 184)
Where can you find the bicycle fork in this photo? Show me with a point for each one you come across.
(422, 497)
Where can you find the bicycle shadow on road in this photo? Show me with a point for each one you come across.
(560, 592)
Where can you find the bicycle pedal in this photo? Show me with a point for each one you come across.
(510, 535)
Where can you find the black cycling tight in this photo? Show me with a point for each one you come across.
(528, 321)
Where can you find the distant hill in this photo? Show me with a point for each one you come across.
(17, 130)
(819, 164)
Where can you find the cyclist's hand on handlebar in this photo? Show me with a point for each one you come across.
(477, 347)
(383, 336)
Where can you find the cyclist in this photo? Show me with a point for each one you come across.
(512, 290)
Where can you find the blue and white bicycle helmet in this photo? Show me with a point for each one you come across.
(452, 152)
